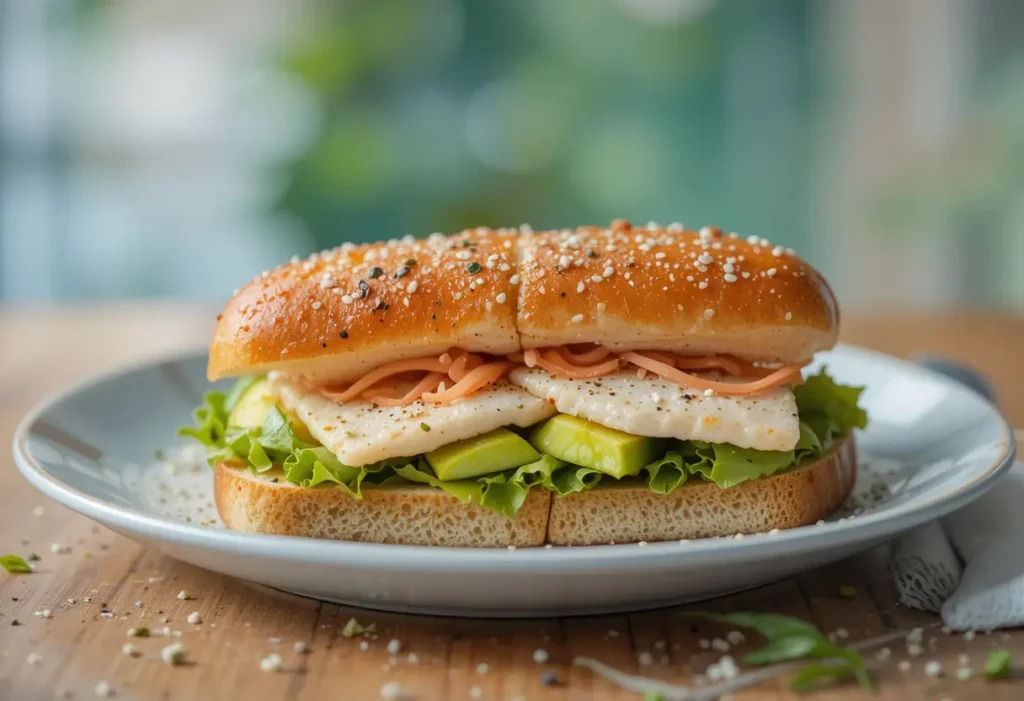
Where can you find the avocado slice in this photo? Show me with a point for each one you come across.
(592, 445)
(499, 450)
(253, 406)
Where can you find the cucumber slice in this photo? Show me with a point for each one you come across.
(253, 406)
(592, 445)
(496, 451)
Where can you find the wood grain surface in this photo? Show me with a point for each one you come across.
(107, 584)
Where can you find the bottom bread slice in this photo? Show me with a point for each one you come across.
(611, 513)
(409, 514)
(629, 513)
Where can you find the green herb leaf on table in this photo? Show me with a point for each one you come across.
(997, 664)
(15, 564)
(789, 638)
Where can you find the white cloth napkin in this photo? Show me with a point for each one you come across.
(986, 591)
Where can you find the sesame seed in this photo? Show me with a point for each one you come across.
(541, 656)
(271, 663)
(933, 669)
(608, 271)
(130, 650)
(394, 646)
(708, 313)
(644, 658)
(37, 511)
(103, 689)
(391, 690)
(703, 284)
(577, 319)
(347, 299)
(729, 277)
(34, 658)
(601, 306)
(580, 287)
(705, 259)
(778, 251)
(514, 280)
(58, 549)
(300, 647)
(475, 692)
(789, 316)
(564, 262)
(500, 299)
(183, 595)
(659, 255)
(728, 267)
(709, 393)
(194, 618)
(904, 665)
(482, 668)
(173, 654)
(772, 272)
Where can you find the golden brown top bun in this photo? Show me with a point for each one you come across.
(694, 292)
(338, 314)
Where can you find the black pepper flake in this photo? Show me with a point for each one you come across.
(323, 344)
(15, 622)
(410, 262)
(402, 272)
(591, 253)
(433, 316)
(562, 294)
(375, 272)
(473, 267)
(548, 677)
(343, 334)
(381, 306)
(364, 289)
(467, 243)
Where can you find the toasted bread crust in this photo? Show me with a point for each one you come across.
(628, 514)
(333, 317)
(422, 515)
(411, 514)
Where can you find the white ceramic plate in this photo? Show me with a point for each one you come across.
(932, 446)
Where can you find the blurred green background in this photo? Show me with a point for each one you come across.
(174, 148)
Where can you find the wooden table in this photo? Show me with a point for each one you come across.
(78, 646)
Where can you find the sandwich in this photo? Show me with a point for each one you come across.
(509, 388)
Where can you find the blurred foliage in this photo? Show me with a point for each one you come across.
(441, 114)
(974, 180)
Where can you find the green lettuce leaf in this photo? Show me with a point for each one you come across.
(210, 419)
(574, 478)
(668, 474)
(829, 408)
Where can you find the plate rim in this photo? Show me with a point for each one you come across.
(538, 559)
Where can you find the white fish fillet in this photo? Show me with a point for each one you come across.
(360, 433)
(657, 408)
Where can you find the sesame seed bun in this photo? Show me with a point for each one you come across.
(692, 292)
(338, 314)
